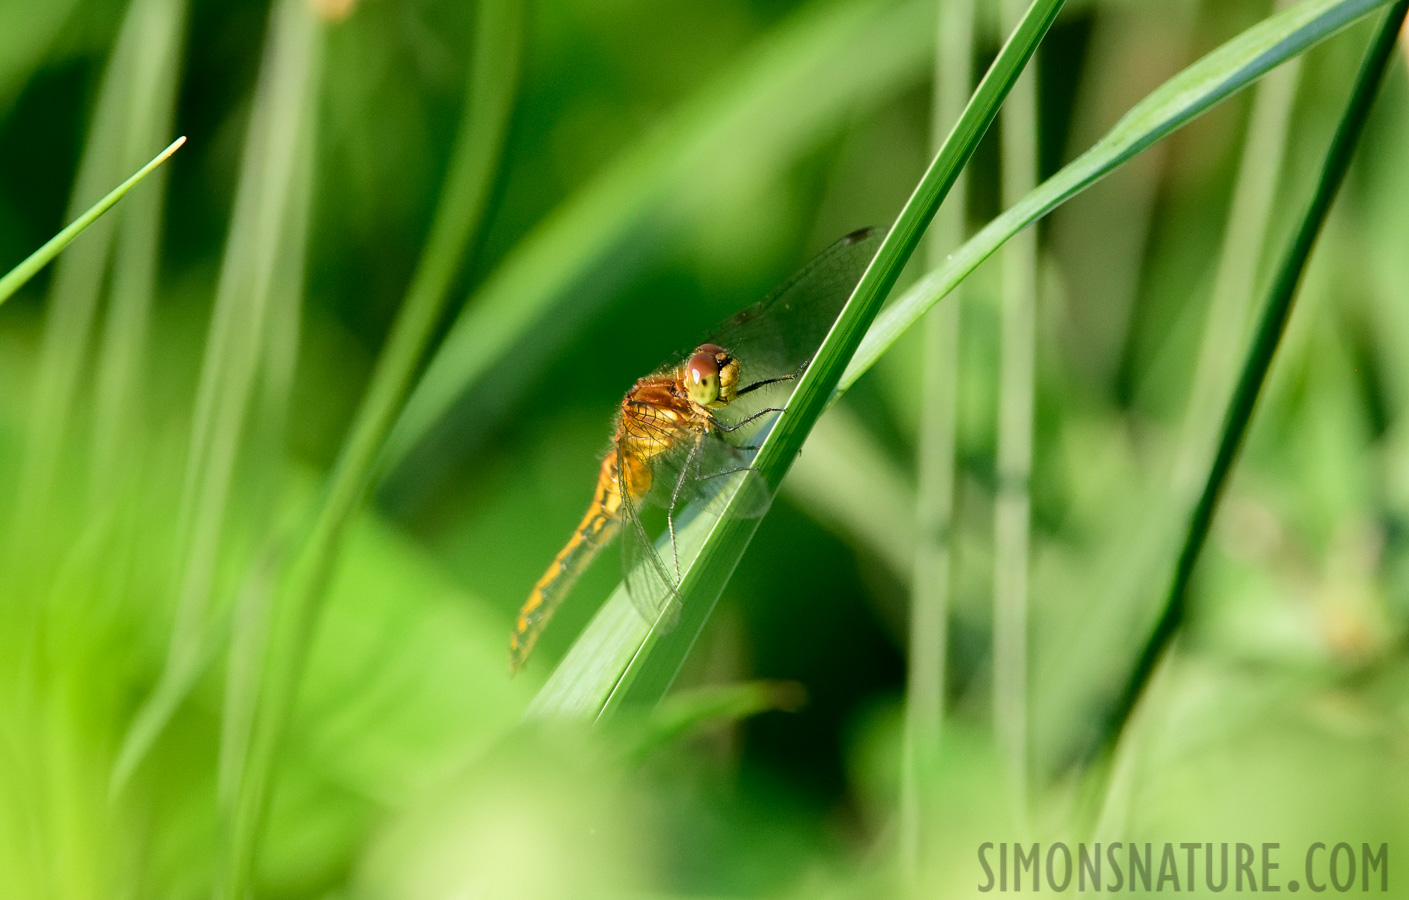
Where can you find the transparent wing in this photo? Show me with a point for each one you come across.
(778, 336)
(652, 587)
(702, 475)
(723, 473)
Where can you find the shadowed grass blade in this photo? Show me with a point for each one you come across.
(1012, 511)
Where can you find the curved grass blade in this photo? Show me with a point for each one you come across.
(636, 671)
(14, 279)
(1276, 310)
(803, 81)
(1214, 78)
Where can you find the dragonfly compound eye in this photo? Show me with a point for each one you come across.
(702, 377)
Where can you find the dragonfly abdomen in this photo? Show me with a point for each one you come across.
(596, 529)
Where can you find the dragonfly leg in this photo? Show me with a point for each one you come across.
(744, 421)
(792, 376)
(732, 471)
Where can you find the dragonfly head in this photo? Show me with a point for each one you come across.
(711, 376)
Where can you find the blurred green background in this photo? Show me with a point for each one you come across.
(178, 387)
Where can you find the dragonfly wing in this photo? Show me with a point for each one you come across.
(780, 334)
(776, 338)
(723, 474)
(650, 581)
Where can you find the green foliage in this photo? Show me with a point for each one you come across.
(271, 497)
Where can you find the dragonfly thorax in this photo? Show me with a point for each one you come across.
(710, 376)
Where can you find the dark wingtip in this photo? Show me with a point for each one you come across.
(862, 234)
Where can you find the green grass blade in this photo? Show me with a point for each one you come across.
(1271, 326)
(14, 279)
(838, 58)
(1013, 504)
(638, 668)
(1215, 77)
(274, 676)
(936, 460)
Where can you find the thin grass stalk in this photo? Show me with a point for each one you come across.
(261, 235)
(117, 385)
(652, 672)
(247, 764)
(936, 454)
(31, 265)
(1271, 326)
(1013, 503)
(1234, 285)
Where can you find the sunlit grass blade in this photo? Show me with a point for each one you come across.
(1272, 324)
(271, 668)
(14, 279)
(806, 79)
(641, 664)
(263, 231)
(1214, 78)
(936, 456)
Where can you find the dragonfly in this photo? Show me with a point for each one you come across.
(687, 432)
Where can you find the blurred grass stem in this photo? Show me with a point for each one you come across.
(936, 450)
(1013, 504)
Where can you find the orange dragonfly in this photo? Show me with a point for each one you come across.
(690, 428)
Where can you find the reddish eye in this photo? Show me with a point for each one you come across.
(702, 376)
